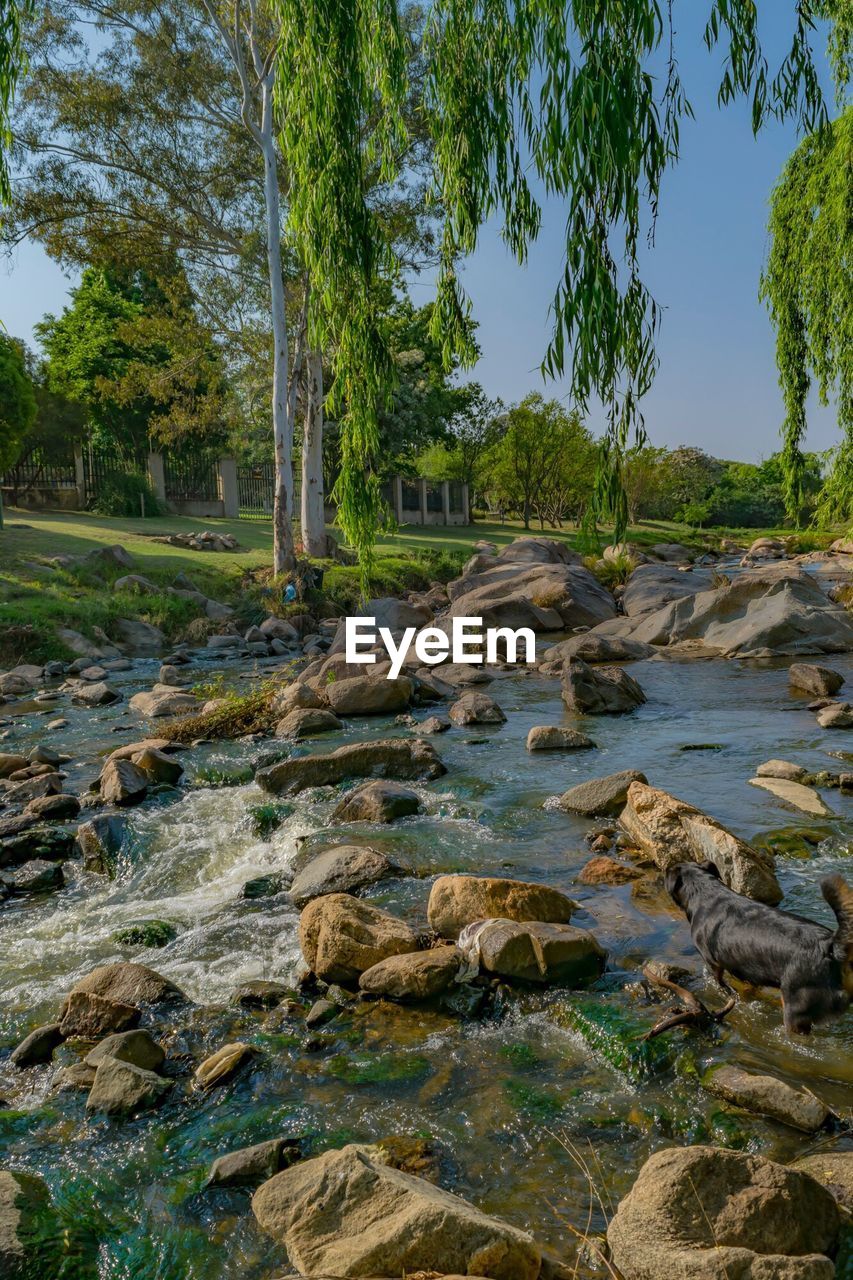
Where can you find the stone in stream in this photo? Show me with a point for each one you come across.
(171, 676)
(158, 767)
(123, 783)
(346, 868)
(99, 841)
(383, 1220)
(402, 758)
(54, 808)
(163, 700)
(128, 982)
(136, 1047)
(600, 795)
(369, 696)
(532, 951)
(837, 715)
(475, 707)
(669, 831)
(420, 975)
(100, 694)
(342, 936)
(146, 933)
(32, 788)
(295, 696)
(120, 1088)
(37, 1047)
(767, 1096)
(594, 647)
(604, 870)
(222, 1065)
(459, 900)
(434, 724)
(781, 769)
(32, 1236)
(265, 886)
(598, 691)
(88, 1016)
(552, 737)
(806, 799)
(377, 801)
(820, 682)
(37, 876)
(833, 1170)
(697, 1212)
(302, 721)
(251, 1165)
(11, 762)
(258, 993)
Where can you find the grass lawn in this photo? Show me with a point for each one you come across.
(37, 598)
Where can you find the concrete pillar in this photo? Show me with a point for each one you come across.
(229, 491)
(466, 509)
(445, 501)
(80, 477)
(157, 476)
(397, 498)
(423, 492)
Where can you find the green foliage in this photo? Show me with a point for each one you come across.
(126, 494)
(808, 288)
(13, 15)
(147, 933)
(17, 401)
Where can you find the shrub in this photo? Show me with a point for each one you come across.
(126, 494)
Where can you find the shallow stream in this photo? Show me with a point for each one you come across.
(526, 1117)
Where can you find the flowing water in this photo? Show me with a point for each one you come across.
(524, 1116)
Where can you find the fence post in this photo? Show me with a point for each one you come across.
(80, 477)
(229, 491)
(157, 476)
(445, 501)
(397, 503)
(424, 509)
(466, 509)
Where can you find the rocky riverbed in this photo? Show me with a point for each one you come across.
(426, 1053)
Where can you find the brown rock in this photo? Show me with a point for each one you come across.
(419, 975)
(221, 1066)
(123, 783)
(341, 937)
(377, 802)
(820, 682)
(401, 758)
(302, 721)
(458, 900)
(605, 870)
(475, 707)
(551, 737)
(364, 696)
(90, 1016)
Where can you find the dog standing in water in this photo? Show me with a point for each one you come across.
(811, 965)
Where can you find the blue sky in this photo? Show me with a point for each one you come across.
(717, 382)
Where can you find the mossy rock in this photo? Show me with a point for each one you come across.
(146, 933)
(792, 842)
(538, 1104)
(213, 776)
(264, 819)
(614, 1036)
(381, 1068)
(32, 1237)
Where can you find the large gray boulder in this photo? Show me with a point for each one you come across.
(697, 1213)
(346, 1214)
(670, 831)
(403, 758)
(363, 695)
(600, 795)
(651, 586)
(759, 615)
(347, 868)
(599, 691)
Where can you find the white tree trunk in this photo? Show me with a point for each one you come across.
(313, 498)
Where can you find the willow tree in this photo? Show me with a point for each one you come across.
(583, 95)
(12, 16)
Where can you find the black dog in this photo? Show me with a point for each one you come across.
(766, 947)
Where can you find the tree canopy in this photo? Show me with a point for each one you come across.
(17, 401)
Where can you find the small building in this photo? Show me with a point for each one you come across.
(442, 502)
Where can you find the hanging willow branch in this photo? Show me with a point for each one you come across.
(12, 16)
(808, 288)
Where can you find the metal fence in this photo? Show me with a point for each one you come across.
(191, 477)
(100, 466)
(36, 470)
(256, 487)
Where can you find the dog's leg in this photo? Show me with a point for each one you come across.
(719, 976)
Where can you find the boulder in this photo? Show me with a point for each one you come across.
(820, 682)
(781, 769)
(56, 808)
(434, 724)
(838, 715)
(123, 783)
(759, 615)
(605, 870)
(378, 801)
(597, 691)
(766, 549)
(552, 737)
(99, 694)
(401, 758)
(347, 868)
(345, 1213)
(11, 762)
(111, 557)
(163, 700)
(295, 696)
(258, 993)
(533, 951)
(697, 1213)
(250, 1165)
(33, 1238)
(600, 795)
(595, 647)
(419, 975)
(767, 1096)
(120, 1088)
(833, 1170)
(669, 831)
(652, 586)
(302, 721)
(222, 1065)
(806, 799)
(136, 582)
(366, 696)
(140, 638)
(158, 767)
(457, 900)
(341, 937)
(88, 1016)
(36, 876)
(129, 982)
(476, 708)
(99, 841)
(37, 1047)
(279, 629)
(136, 1047)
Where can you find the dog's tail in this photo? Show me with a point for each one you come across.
(839, 895)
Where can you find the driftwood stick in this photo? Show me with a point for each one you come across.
(690, 1012)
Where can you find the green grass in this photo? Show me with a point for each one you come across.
(36, 598)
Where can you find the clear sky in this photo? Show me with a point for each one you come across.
(717, 383)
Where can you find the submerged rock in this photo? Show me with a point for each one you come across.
(222, 1065)
(459, 900)
(32, 1236)
(598, 691)
(604, 870)
(709, 1214)
(341, 937)
(380, 1220)
(600, 795)
(402, 758)
(250, 1165)
(377, 802)
(345, 868)
(669, 831)
(36, 876)
(767, 1096)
